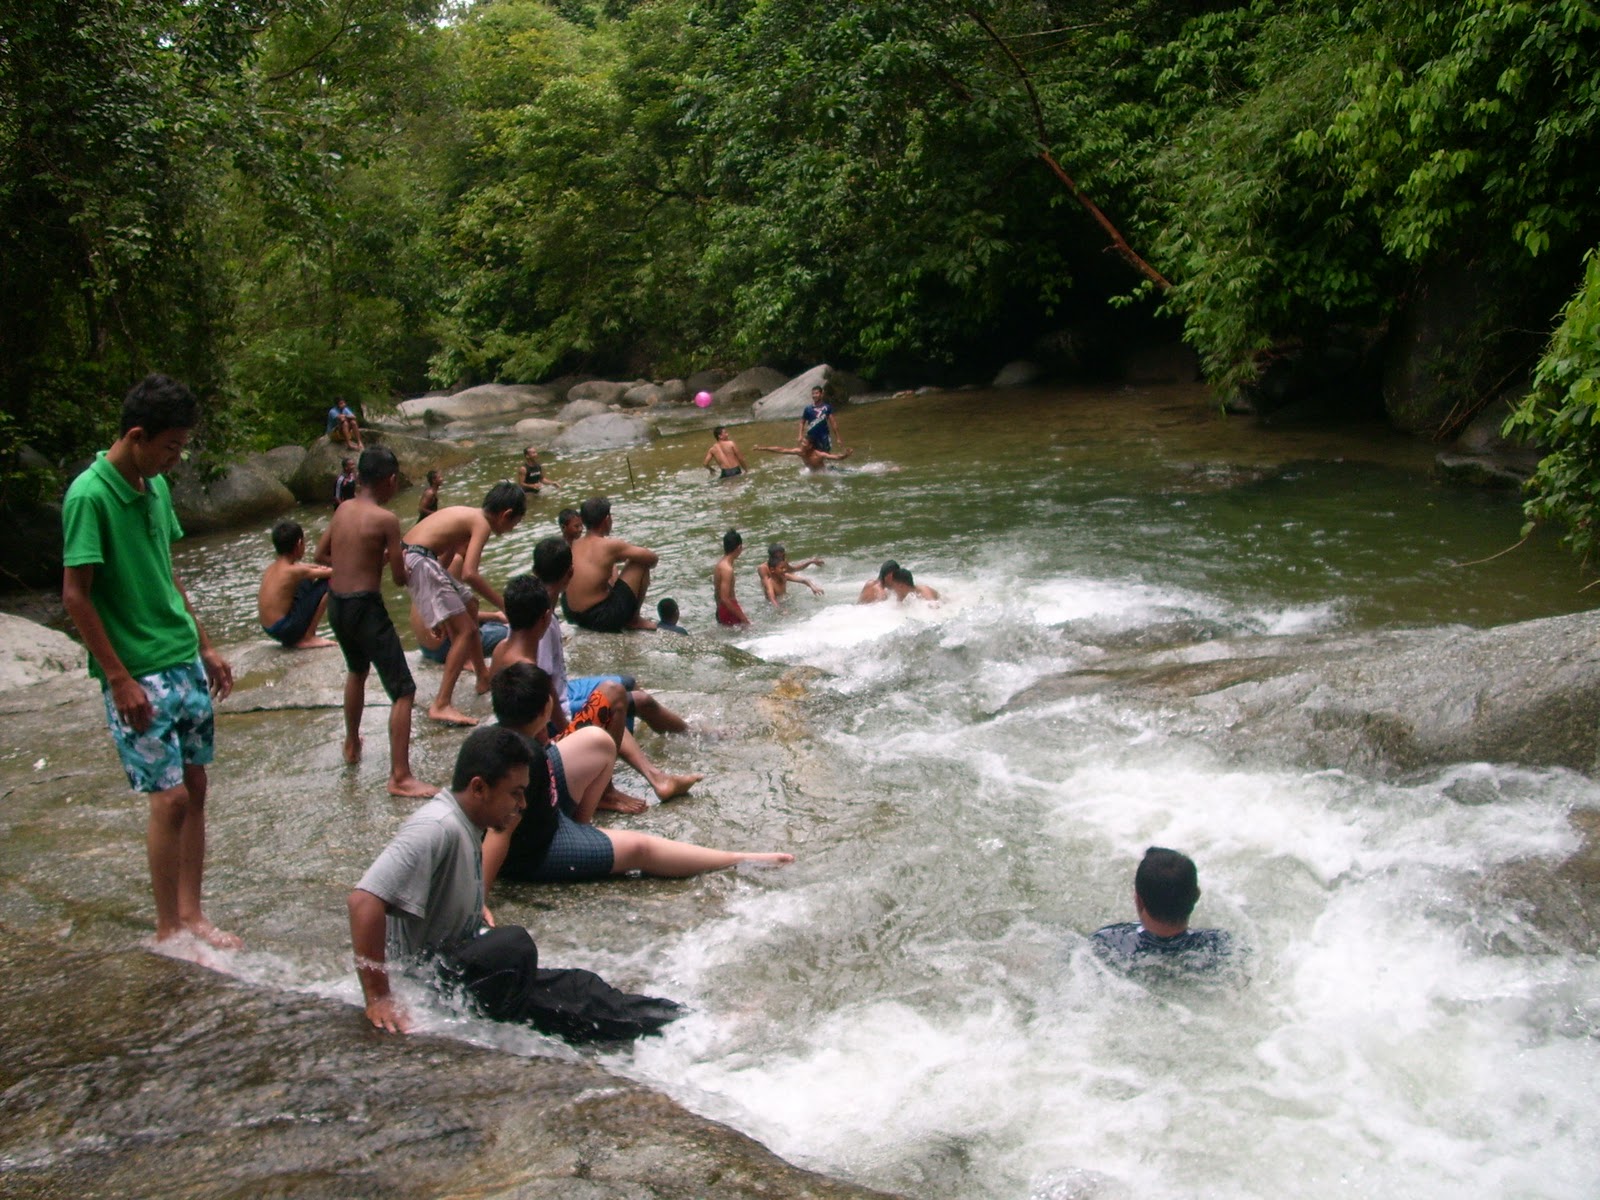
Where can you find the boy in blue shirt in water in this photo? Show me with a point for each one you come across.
(1166, 888)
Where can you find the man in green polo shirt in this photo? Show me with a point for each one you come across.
(157, 670)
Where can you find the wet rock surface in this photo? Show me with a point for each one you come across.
(1379, 703)
(125, 1074)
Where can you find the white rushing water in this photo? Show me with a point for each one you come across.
(913, 1005)
(916, 1007)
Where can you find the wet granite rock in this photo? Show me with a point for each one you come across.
(125, 1074)
(1381, 703)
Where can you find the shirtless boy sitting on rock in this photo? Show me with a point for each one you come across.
(597, 600)
(432, 546)
(293, 593)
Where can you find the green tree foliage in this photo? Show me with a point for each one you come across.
(109, 112)
(1563, 412)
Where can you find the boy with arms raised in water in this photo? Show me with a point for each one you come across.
(362, 536)
(778, 572)
(293, 593)
(815, 459)
(456, 536)
(157, 669)
(729, 610)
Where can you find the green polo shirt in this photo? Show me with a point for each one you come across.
(126, 535)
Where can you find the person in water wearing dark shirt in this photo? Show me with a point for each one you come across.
(1166, 888)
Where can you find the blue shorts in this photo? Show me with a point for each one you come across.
(578, 692)
(297, 621)
(180, 734)
(492, 633)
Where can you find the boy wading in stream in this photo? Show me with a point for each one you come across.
(362, 536)
(157, 669)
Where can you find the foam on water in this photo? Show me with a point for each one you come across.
(1394, 1029)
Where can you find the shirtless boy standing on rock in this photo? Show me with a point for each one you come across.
(597, 601)
(362, 536)
(442, 600)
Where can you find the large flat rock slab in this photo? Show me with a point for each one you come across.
(125, 1074)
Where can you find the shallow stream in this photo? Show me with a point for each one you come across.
(912, 1006)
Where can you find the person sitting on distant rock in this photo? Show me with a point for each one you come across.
(343, 425)
(293, 593)
(878, 589)
(814, 458)
(1165, 890)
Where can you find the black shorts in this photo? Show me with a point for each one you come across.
(365, 633)
(613, 613)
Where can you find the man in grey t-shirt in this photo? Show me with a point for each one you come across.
(424, 894)
(422, 900)
(1166, 888)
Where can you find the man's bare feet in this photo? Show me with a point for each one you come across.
(449, 715)
(352, 749)
(314, 643)
(670, 787)
(212, 936)
(483, 684)
(615, 801)
(410, 785)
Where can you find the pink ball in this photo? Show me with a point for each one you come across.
(702, 399)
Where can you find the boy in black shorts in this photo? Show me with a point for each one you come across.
(361, 537)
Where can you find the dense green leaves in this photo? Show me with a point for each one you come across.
(1563, 412)
(286, 200)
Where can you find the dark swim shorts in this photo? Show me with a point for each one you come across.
(730, 472)
(292, 626)
(365, 633)
(613, 613)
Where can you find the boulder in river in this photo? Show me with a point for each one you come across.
(605, 431)
(537, 431)
(313, 482)
(603, 391)
(1382, 703)
(576, 410)
(1019, 373)
(750, 385)
(30, 653)
(485, 400)
(788, 401)
(245, 493)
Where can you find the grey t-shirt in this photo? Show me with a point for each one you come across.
(431, 876)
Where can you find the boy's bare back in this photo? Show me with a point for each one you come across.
(278, 584)
(360, 538)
